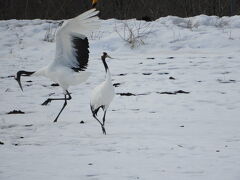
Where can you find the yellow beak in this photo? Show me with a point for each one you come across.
(94, 3)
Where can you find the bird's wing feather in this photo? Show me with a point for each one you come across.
(72, 42)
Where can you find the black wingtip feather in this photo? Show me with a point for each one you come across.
(81, 46)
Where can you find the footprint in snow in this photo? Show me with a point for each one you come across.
(122, 74)
(146, 74)
(8, 126)
(131, 94)
(126, 94)
(150, 58)
(171, 78)
(16, 112)
(174, 92)
(226, 81)
(116, 84)
(163, 73)
(54, 84)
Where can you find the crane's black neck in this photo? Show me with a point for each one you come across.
(104, 63)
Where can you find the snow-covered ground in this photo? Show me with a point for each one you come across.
(152, 134)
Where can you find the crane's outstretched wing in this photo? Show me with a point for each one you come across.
(72, 42)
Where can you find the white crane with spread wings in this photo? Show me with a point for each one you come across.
(72, 54)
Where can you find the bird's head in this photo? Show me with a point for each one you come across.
(22, 73)
(94, 3)
(105, 55)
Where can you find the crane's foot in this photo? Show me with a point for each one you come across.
(46, 102)
(103, 130)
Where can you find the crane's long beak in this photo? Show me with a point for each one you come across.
(18, 79)
(109, 56)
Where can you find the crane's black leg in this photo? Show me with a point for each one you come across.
(53, 99)
(94, 113)
(104, 116)
(64, 104)
(103, 129)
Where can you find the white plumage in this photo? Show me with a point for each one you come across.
(80, 27)
(102, 95)
(72, 54)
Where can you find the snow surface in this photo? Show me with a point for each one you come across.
(151, 135)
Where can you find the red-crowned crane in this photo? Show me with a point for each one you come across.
(102, 95)
(71, 58)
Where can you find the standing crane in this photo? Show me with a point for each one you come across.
(102, 95)
(71, 58)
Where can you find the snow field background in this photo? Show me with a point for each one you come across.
(151, 134)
